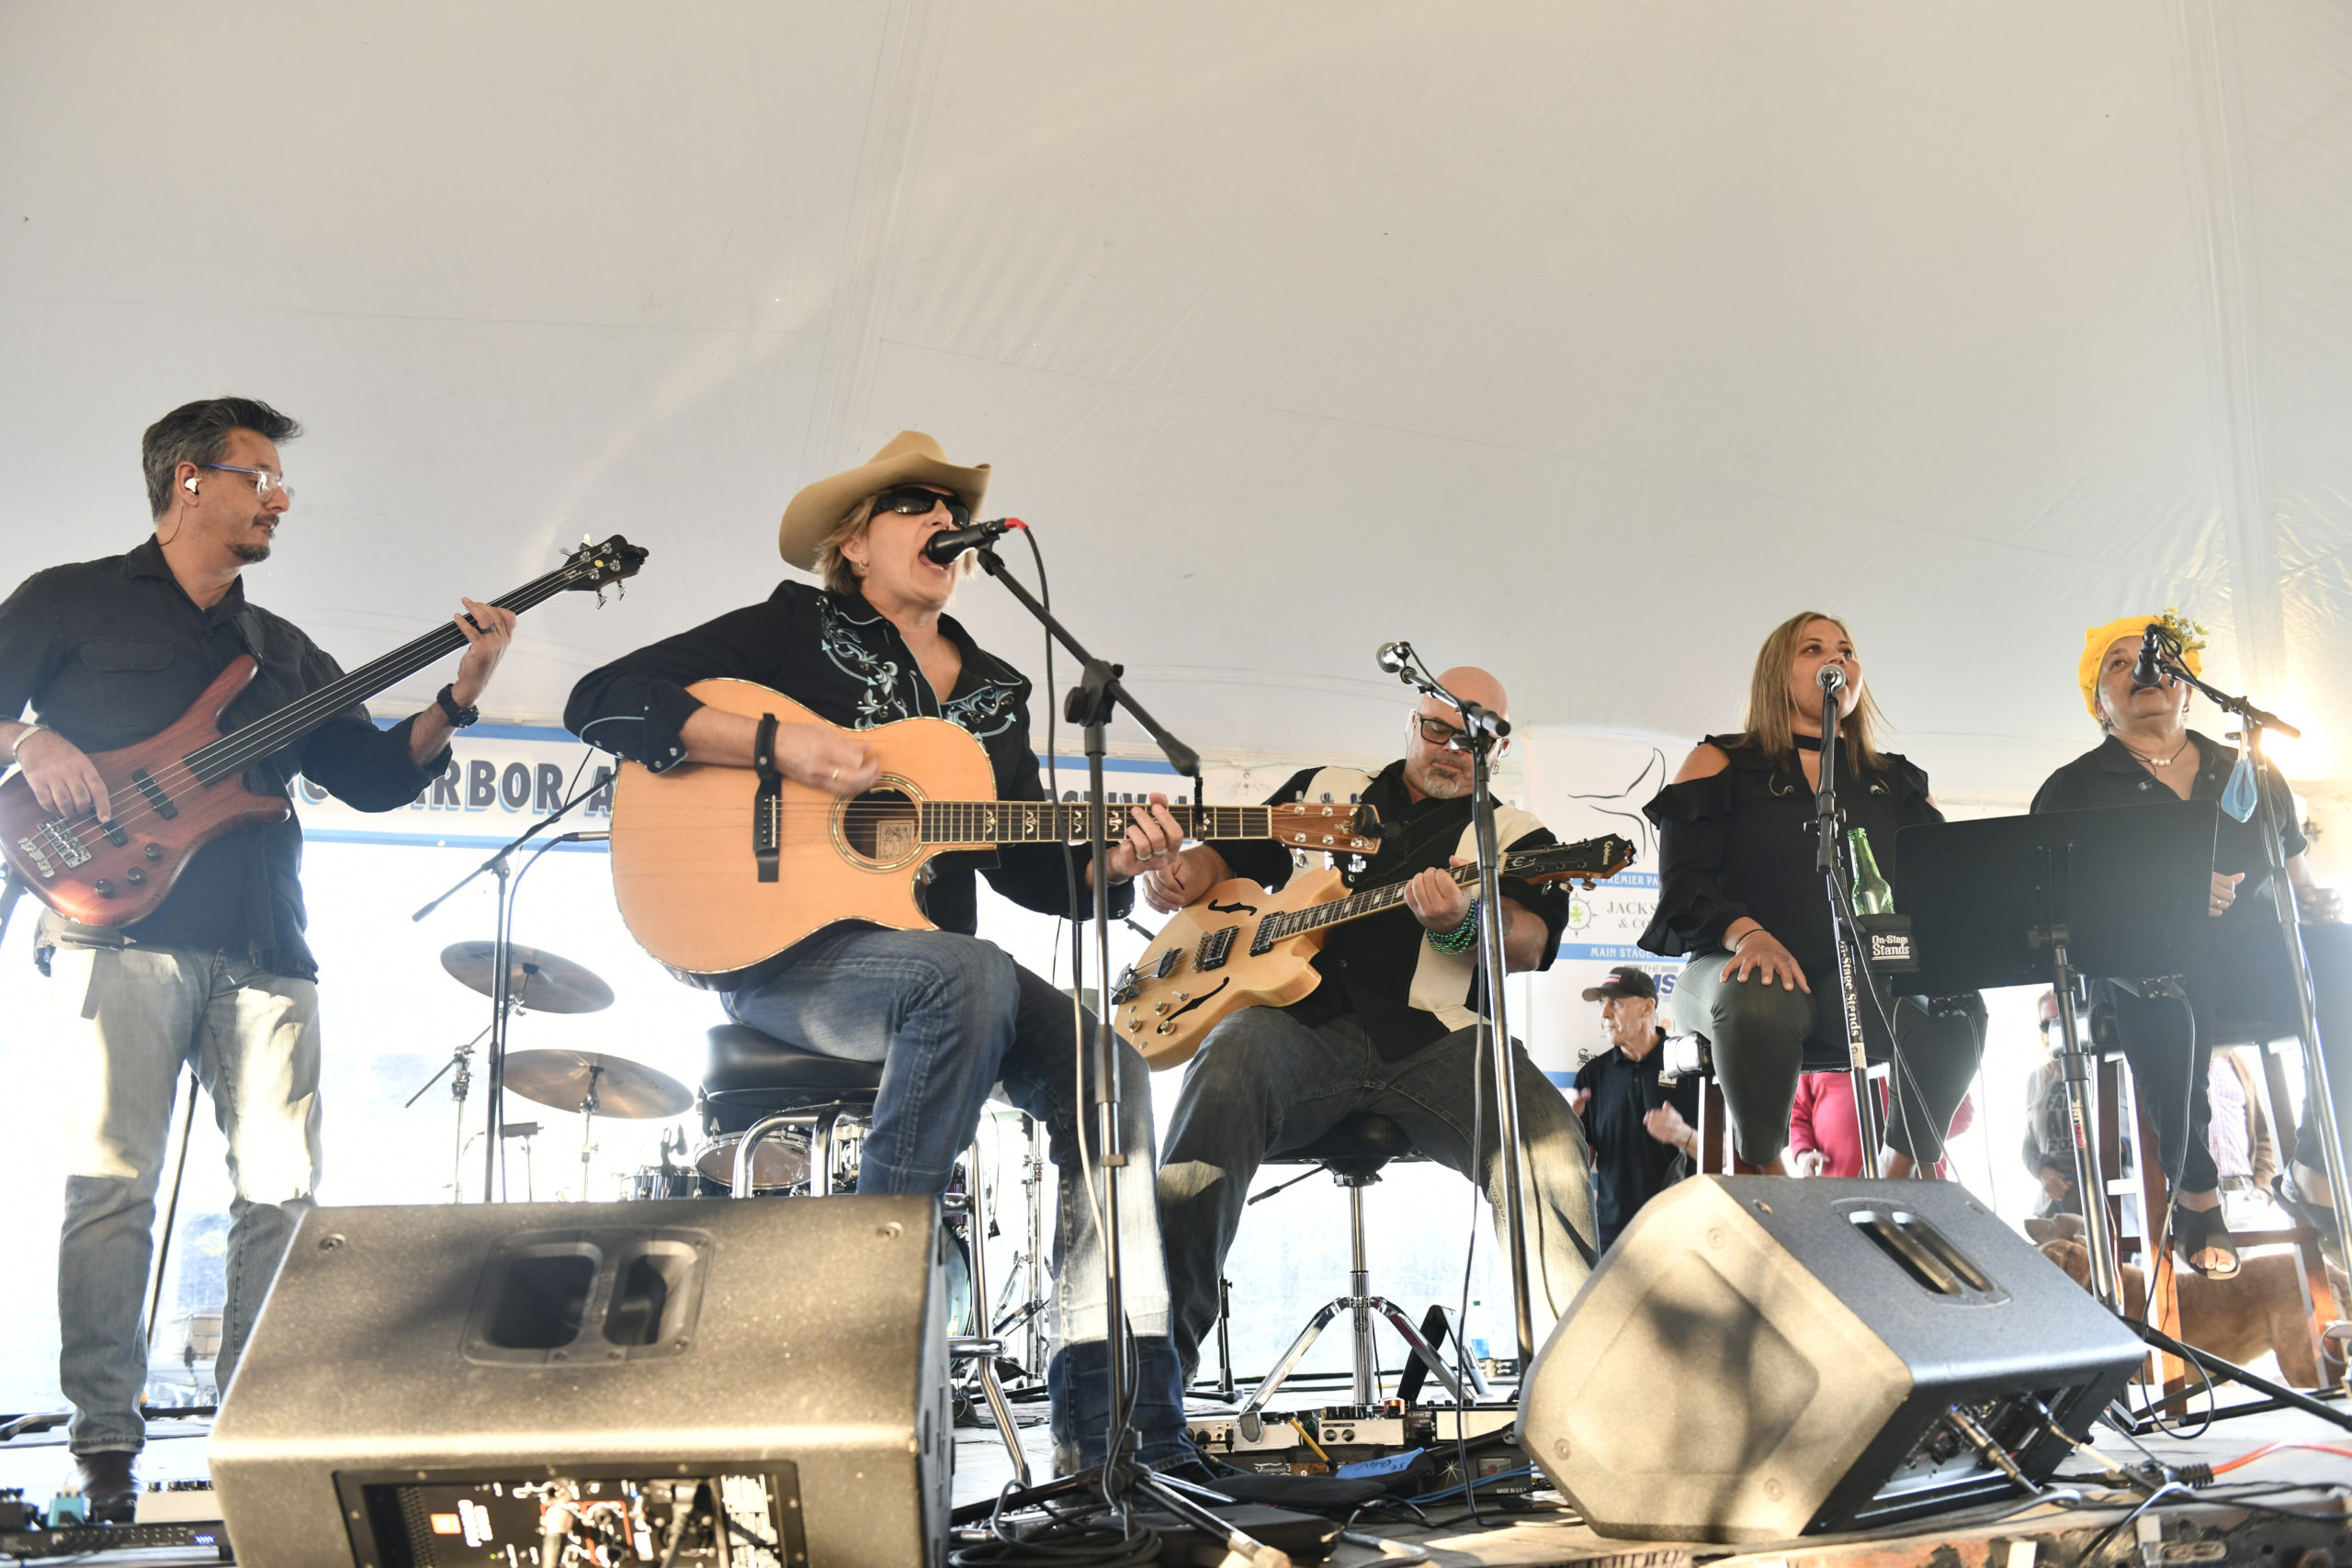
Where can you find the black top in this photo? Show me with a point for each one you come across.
(840, 658)
(1741, 843)
(1369, 965)
(111, 651)
(1631, 1166)
(2109, 774)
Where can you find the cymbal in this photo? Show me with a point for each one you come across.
(541, 980)
(624, 1088)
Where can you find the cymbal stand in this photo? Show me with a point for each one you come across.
(589, 1106)
(461, 1062)
(501, 1000)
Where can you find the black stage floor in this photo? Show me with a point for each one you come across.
(2205, 1531)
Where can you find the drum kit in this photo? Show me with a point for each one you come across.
(596, 1084)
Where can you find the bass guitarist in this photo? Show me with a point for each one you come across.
(108, 652)
(946, 1013)
(1389, 1030)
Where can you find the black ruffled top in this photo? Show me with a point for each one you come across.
(1741, 843)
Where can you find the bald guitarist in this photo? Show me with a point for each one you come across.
(946, 1013)
(1388, 1030)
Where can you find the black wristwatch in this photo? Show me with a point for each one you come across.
(459, 717)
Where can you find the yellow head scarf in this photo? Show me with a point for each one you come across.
(2097, 640)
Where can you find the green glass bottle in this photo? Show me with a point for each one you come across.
(1871, 894)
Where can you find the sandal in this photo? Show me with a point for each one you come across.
(2203, 1230)
(2317, 1217)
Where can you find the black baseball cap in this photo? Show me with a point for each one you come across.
(1625, 980)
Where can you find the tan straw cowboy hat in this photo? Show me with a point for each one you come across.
(912, 457)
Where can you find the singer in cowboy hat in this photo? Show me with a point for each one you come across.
(947, 1013)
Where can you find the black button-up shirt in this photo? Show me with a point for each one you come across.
(108, 652)
(840, 658)
(1381, 967)
(2109, 774)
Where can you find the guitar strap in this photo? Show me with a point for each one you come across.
(767, 807)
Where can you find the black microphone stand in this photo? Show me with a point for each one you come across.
(1092, 703)
(501, 1001)
(1483, 730)
(2319, 1098)
(1842, 921)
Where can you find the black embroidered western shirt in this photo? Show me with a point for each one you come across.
(840, 658)
(111, 651)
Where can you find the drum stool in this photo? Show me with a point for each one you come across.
(1353, 1152)
(793, 1087)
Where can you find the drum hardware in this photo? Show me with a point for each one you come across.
(595, 1084)
(779, 1164)
(830, 1129)
(461, 1063)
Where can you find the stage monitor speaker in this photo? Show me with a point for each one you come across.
(1758, 1359)
(478, 1384)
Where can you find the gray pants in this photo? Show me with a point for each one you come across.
(130, 1018)
(1758, 1034)
(1265, 1082)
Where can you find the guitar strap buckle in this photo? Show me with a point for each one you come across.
(767, 807)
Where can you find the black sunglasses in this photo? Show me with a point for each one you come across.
(913, 501)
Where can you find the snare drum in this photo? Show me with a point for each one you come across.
(779, 1164)
(666, 1181)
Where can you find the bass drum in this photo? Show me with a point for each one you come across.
(959, 1283)
(666, 1181)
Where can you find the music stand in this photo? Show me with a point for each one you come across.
(2036, 900)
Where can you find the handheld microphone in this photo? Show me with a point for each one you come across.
(944, 548)
(1392, 656)
(2145, 670)
(1832, 678)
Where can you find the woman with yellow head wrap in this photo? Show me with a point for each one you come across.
(2151, 754)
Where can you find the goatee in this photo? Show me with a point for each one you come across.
(252, 555)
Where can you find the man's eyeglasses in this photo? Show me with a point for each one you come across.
(1437, 732)
(265, 484)
(912, 500)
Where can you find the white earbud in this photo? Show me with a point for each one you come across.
(188, 484)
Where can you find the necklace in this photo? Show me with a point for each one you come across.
(2151, 762)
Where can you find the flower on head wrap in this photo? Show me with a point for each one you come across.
(2097, 640)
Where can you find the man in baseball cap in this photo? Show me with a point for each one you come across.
(1641, 1132)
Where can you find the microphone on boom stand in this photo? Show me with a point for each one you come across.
(944, 548)
(2147, 671)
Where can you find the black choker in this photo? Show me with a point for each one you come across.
(1807, 742)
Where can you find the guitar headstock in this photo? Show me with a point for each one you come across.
(1589, 862)
(593, 567)
(1332, 828)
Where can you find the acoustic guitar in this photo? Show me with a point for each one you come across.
(1237, 946)
(176, 791)
(712, 877)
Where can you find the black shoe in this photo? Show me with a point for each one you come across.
(2318, 1216)
(108, 1492)
(2203, 1230)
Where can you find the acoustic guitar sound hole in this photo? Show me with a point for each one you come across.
(881, 827)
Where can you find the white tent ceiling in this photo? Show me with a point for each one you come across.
(1582, 341)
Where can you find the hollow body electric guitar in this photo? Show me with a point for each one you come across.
(1237, 946)
(714, 874)
(175, 792)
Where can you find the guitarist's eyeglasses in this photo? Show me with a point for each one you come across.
(1437, 732)
(910, 501)
(265, 484)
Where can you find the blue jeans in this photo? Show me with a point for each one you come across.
(949, 1017)
(133, 1015)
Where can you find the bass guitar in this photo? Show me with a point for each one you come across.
(1237, 946)
(713, 875)
(176, 791)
